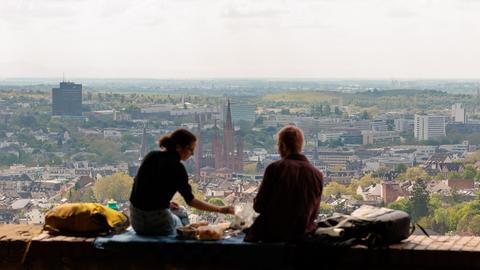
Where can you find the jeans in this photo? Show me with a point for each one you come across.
(157, 222)
(182, 214)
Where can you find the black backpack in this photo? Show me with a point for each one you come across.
(368, 225)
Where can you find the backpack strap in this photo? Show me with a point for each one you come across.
(27, 249)
(422, 229)
(426, 234)
(25, 253)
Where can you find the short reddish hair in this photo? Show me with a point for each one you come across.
(292, 137)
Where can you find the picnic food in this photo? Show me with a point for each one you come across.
(187, 233)
(224, 225)
(239, 223)
(198, 224)
(202, 231)
(210, 232)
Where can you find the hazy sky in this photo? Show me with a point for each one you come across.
(244, 38)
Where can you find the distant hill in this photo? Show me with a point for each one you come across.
(303, 96)
(401, 92)
(380, 99)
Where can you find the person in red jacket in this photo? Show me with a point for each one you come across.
(288, 199)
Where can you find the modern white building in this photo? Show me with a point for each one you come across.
(376, 137)
(457, 148)
(458, 113)
(329, 136)
(427, 127)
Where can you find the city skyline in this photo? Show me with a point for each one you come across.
(366, 144)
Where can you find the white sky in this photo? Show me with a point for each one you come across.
(244, 38)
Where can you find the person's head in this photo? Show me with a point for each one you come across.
(290, 141)
(181, 141)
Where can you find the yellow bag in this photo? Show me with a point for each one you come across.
(84, 219)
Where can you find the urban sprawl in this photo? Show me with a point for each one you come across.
(399, 146)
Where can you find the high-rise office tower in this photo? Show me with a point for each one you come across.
(458, 113)
(67, 99)
(427, 127)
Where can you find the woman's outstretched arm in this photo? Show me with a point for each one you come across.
(201, 205)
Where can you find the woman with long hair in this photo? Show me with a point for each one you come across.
(159, 177)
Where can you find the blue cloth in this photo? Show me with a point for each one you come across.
(169, 249)
(129, 237)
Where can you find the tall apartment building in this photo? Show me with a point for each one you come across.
(428, 127)
(458, 113)
(67, 99)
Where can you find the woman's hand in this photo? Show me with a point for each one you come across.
(227, 210)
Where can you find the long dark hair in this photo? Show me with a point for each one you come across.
(180, 137)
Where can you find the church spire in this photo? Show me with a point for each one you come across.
(229, 122)
(228, 138)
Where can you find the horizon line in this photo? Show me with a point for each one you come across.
(245, 78)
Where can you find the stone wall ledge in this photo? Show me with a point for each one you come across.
(63, 252)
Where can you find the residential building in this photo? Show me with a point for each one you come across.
(333, 157)
(379, 125)
(352, 137)
(329, 136)
(378, 137)
(457, 148)
(390, 191)
(460, 183)
(404, 125)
